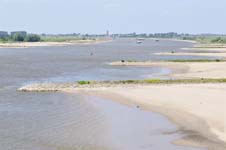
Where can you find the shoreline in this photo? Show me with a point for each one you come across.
(47, 44)
(69, 43)
(185, 69)
(197, 109)
(202, 128)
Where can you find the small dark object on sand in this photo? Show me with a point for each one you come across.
(122, 61)
(138, 107)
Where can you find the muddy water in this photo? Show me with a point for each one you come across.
(57, 121)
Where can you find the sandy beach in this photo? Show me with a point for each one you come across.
(44, 44)
(198, 109)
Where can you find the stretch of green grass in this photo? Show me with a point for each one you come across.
(208, 39)
(62, 38)
(83, 82)
(47, 38)
(155, 81)
(171, 81)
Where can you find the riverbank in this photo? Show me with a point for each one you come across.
(44, 44)
(197, 109)
(185, 69)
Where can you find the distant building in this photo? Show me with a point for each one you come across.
(3, 34)
(23, 33)
(107, 33)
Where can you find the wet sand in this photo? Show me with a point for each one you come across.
(197, 109)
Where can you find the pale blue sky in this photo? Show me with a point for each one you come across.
(118, 16)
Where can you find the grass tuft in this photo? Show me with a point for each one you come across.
(83, 82)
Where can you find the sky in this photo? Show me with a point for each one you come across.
(117, 16)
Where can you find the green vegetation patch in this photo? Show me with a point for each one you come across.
(171, 81)
(155, 81)
(58, 38)
(83, 82)
(152, 81)
(208, 39)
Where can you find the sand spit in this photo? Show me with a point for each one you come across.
(55, 87)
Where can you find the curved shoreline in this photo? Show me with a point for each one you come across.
(197, 114)
(194, 122)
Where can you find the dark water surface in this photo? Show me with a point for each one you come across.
(57, 121)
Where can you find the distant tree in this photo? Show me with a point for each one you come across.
(219, 40)
(18, 37)
(33, 38)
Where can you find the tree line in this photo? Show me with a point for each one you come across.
(20, 36)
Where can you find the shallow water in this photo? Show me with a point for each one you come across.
(68, 122)
(56, 121)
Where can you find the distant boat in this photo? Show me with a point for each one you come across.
(157, 40)
(139, 42)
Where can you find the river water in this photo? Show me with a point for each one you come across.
(58, 121)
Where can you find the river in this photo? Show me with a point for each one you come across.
(59, 121)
